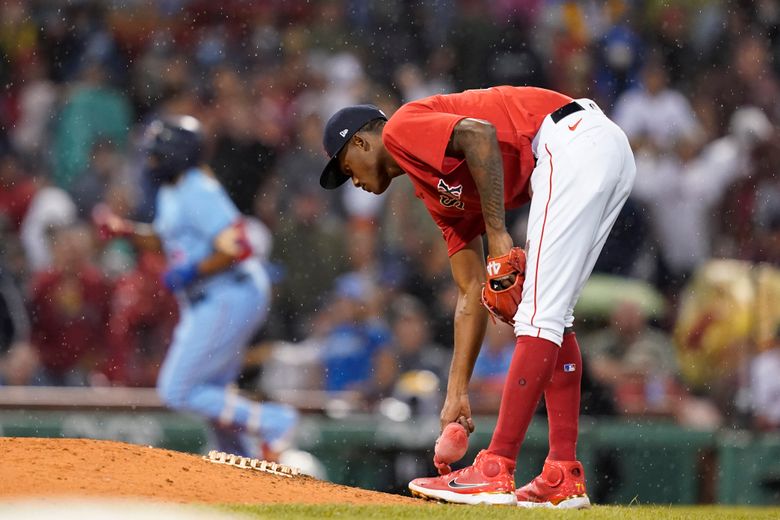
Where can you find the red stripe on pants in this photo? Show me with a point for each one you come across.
(541, 237)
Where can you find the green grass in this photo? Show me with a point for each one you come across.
(453, 512)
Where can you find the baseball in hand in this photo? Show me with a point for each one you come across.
(452, 444)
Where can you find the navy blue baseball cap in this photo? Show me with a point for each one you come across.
(338, 131)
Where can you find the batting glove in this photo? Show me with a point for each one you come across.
(180, 276)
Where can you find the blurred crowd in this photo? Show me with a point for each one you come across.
(363, 298)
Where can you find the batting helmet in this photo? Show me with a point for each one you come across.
(174, 145)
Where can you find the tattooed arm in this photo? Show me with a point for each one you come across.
(475, 140)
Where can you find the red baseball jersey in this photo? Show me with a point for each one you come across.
(418, 133)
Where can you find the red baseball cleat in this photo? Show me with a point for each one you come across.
(561, 485)
(490, 480)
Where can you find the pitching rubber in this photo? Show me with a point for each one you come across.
(582, 502)
(497, 499)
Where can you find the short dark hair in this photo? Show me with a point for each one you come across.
(373, 125)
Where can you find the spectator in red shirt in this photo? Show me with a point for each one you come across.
(16, 191)
(69, 310)
(143, 316)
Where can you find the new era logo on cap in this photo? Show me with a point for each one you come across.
(343, 133)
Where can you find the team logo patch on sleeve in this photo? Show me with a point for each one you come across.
(450, 195)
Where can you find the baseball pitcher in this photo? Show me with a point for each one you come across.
(470, 156)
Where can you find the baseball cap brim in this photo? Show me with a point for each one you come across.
(332, 176)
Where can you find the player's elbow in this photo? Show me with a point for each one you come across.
(233, 242)
(469, 304)
(470, 287)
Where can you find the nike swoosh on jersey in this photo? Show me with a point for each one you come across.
(575, 125)
(456, 485)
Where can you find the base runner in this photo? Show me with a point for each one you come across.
(222, 289)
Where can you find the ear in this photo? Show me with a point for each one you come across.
(360, 141)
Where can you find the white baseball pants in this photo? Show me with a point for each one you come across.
(584, 173)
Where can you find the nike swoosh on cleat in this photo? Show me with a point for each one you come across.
(454, 484)
(575, 125)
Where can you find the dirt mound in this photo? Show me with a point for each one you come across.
(90, 468)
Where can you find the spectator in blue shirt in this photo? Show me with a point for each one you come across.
(349, 349)
(491, 367)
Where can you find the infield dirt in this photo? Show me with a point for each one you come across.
(35, 467)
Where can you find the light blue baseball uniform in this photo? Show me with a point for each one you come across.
(218, 314)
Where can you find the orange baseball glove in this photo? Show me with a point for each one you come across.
(503, 290)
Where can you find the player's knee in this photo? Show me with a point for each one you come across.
(172, 396)
(551, 330)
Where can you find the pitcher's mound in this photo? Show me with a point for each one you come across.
(89, 468)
